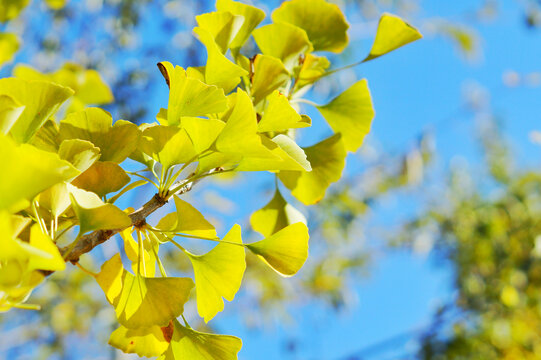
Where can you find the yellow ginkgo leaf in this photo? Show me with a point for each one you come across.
(53, 260)
(21, 166)
(351, 114)
(10, 110)
(275, 216)
(80, 153)
(252, 17)
(186, 220)
(116, 142)
(94, 214)
(222, 25)
(293, 42)
(145, 341)
(102, 178)
(145, 262)
(41, 100)
(285, 251)
(280, 116)
(187, 343)
(239, 136)
(324, 22)
(140, 301)
(218, 274)
(327, 159)
(189, 96)
(393, 32)
(219, 70)
(269, 74)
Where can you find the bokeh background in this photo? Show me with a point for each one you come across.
(430, 245)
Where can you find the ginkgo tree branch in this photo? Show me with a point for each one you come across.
(88, 242)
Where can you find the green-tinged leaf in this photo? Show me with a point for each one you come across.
(9, 45)
(218, 274)
(80, 153)
(41, 101)
(269, 75)
(11, 8)
(202, 132)
(279, 115)
(93, 89)
(102, 178)
(284, 251)
(275, 216)
(288, 156)
(187, 343)
(94, 214)
(219, 70)
(10, 111)
(116, 142)
(283, 41)
(168, 145)
(21, 166)
(252, 17)
(146, 341)
(55, 199)
(239, 136)
(189, 96)
(47, 137)
(351, 114)
(328, 160)
(323, 22)
(222, 25)
(186, 220)
(393, 32)
(88, 85)
(140, 301)
(312, 69)
(19, 223)
(53, 260)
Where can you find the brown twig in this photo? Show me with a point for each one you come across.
(88, 242)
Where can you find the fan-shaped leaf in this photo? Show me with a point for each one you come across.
(283, 41)
(168, 145)
(146, 341)
(94, 214)
(351, 114)
(288, 156)
(186, 220)
(280, 116)
(323, 22)
(189, 96)
(269, 75)
(116, 142)
(222, 25)
(102, 178)
(139, 301)
(328, 160)
(194, 345)
(275, 216)
(80, 153)
(219, 70)
(393, 32)
(41, 100)
(285, 251)
(218, 274)
(21, 166)
(252, 17)
(239, 136)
